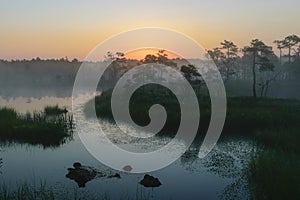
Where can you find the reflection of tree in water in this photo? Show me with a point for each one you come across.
(1, 163)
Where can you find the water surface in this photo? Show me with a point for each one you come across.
(219, 175)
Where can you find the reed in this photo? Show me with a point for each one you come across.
(274, 171)
(35, 128)
(42, 191)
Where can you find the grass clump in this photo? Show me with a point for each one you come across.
(34, 128)
(31, 192)
(274, 171)
(54, 110)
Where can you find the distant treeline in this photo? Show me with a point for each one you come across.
(252, 70)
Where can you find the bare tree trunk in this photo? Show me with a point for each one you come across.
(254, 75)
(228, 53)
(267, 88)
(262, 90)
(289, 54)
(280, 56)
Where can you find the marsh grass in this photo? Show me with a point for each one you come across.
(54, 110)
(284, 140)
(245, 115)
(248, 115)
(274, 174)
(27, 191)
(32, 192)
(34, 128)
(274, 171)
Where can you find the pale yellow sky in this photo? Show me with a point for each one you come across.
(73, 28)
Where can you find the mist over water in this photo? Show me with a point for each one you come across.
(56, 78)
(27, 89)
(32, 85)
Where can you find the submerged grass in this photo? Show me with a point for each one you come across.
(34, 128)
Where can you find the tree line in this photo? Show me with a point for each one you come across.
(256, 61)
(261, 58)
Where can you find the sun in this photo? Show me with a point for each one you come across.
(140, 54)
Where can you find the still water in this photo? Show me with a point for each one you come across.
(219, 175)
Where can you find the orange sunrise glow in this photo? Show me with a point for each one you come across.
(141, 53)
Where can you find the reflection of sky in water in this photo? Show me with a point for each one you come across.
(24, 104)
(187, 178)
(22, 162)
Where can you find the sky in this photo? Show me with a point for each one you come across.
(72, 28)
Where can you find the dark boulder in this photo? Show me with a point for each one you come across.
(81, 174)
(150, 181)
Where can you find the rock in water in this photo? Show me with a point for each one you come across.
(150, 181)
(127, 168)
(77, 165)
(81, 174)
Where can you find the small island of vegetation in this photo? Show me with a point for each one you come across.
(47, 128)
